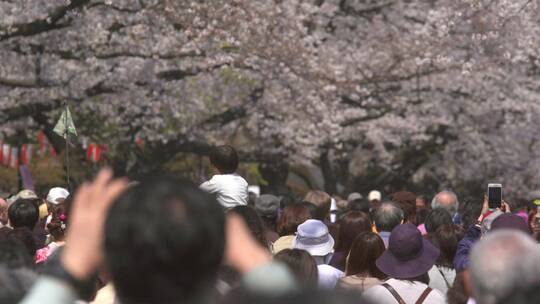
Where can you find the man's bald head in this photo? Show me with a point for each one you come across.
(447, 200)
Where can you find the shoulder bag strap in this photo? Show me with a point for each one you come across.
(424, 295)
(444, 278)
(394, 293)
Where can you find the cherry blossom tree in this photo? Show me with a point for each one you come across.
(374, 92)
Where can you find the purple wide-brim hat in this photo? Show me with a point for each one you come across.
(398, 264)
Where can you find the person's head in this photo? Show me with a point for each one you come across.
(322, 201)
(446, 238)
(502, 261)
(351, 225)
(43, 209)
(407, 202)
(3, 211)
(24, 213)
(470, 212)
(301, 264)
(286, 200)
(421, 202)
(409, 255)
(421, 215)
(518, 204)
(57, 226)
(311, 207)
(253, 222)
(354, 196)
(374, 198)
(164, 242)
(313, 237)
(365, 250)
(447, 200)
(292, 216)
(14, 284)
(25, 237)
(509, 222)
(388, 216)
(13, 254)
(57, 195)
(267, 206)
(224, 159)
(360, 205)
(23, 194)
(436, 218)
(342, 205)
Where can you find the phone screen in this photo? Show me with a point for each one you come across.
(494, 197)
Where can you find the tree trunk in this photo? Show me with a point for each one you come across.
(275, 174)
(330, 180)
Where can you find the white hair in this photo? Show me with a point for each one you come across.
(501, 262)
(450, 205)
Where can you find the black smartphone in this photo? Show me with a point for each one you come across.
(494, 196)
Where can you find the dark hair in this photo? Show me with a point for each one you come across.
(311, 207)
(424, 200)
(446, 238)
(225, 159)
(301, 264)
(164, 242)
(421, 215)
(365, 250)
(458, 295)
(322, 201)
(407, 202)
(57, 227)
(436, 218)
(26, 237)
(470, 212)
(15, 283)
(388, 216)
(13, 254)
(351, 225)
(253, 222)
(24, 213)
(291, 217)
(360, 204)
(286, 200)
(518, 204)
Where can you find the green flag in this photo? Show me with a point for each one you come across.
(65, 124)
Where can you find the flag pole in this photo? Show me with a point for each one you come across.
(66, 136)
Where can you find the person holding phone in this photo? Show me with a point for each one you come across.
(493, 207)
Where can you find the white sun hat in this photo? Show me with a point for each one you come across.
(313, 237)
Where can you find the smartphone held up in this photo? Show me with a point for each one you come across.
(494, 196)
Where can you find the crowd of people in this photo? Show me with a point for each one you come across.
(163, 240)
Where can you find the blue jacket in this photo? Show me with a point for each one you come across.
(461, 260)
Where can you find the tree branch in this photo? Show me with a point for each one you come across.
(42, 25)
(29, 110)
